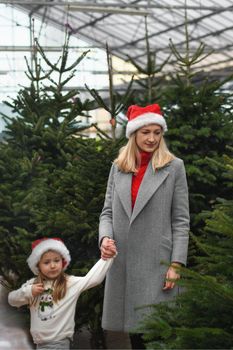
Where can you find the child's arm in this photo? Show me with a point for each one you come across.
(21, 296)
(96, 275)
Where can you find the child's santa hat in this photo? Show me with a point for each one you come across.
(41, 246)
(141, 116)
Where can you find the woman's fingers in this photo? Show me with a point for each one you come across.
(108, 248)
(168, 285)
(171, 277)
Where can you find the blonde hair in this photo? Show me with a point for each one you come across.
(59, 284)
(127, 160)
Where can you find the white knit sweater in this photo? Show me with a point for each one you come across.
(52, 321)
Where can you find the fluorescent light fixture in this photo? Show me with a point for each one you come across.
(106, 9)
(81, 7)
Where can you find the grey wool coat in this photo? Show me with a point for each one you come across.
(155, 231)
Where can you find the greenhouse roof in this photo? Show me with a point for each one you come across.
(121, 24)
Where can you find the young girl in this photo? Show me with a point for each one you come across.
(52, 295)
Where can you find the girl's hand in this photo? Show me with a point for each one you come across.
(37, 289)
(108, 248)
(171, 277)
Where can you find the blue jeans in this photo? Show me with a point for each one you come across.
(63, 344)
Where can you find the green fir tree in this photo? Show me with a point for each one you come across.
(39, 141)
(199, 116)
(149, 78)
(53, 179)
(202, 316)
(116, 103)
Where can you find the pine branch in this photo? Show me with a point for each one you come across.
(83, 55)
(98, 98)
(53, 66)
(101, 131)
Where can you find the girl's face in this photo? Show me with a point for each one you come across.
(51, 264)
(148, 137)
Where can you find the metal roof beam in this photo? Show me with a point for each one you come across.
(91, 23)
(181, 25)
(216, 33)
(33, 10)
(113, 4)
(109, 10)
(75, 6)
(85, 36)
(217, 63)
(96, 20)
(9, 48)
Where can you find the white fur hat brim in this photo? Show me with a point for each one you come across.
(143, 120)
(43, 247)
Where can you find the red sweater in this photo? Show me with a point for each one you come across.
(137, 178)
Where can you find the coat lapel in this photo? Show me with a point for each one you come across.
(123, 182)
(150, 183)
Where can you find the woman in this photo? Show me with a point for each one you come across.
(146, 212)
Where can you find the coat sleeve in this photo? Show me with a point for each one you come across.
(96, 275)
(105, 225)
(180, 216)
(21, 296)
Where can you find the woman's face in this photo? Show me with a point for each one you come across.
(51, 264)
(148, 137)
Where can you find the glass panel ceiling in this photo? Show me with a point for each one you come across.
(15, 44)
(122, 25)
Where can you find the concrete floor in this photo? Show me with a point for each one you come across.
(114, 340)
(13, 330)
(117, 340)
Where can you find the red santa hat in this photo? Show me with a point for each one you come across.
(141, 116)
(41, 246)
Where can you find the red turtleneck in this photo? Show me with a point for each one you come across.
(137, 178)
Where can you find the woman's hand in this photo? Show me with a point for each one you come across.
(37, 289)
(108, 248)
(171, 276)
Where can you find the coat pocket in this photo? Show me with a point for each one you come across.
(165, 250)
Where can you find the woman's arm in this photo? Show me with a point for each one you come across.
(105, 225)
(180, 216)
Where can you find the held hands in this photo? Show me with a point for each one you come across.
(171, 276)
(108, 248)
(37, 289)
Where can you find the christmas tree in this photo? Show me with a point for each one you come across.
(53, 178)
(199, 116)
(201, 317)
(152, 84)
